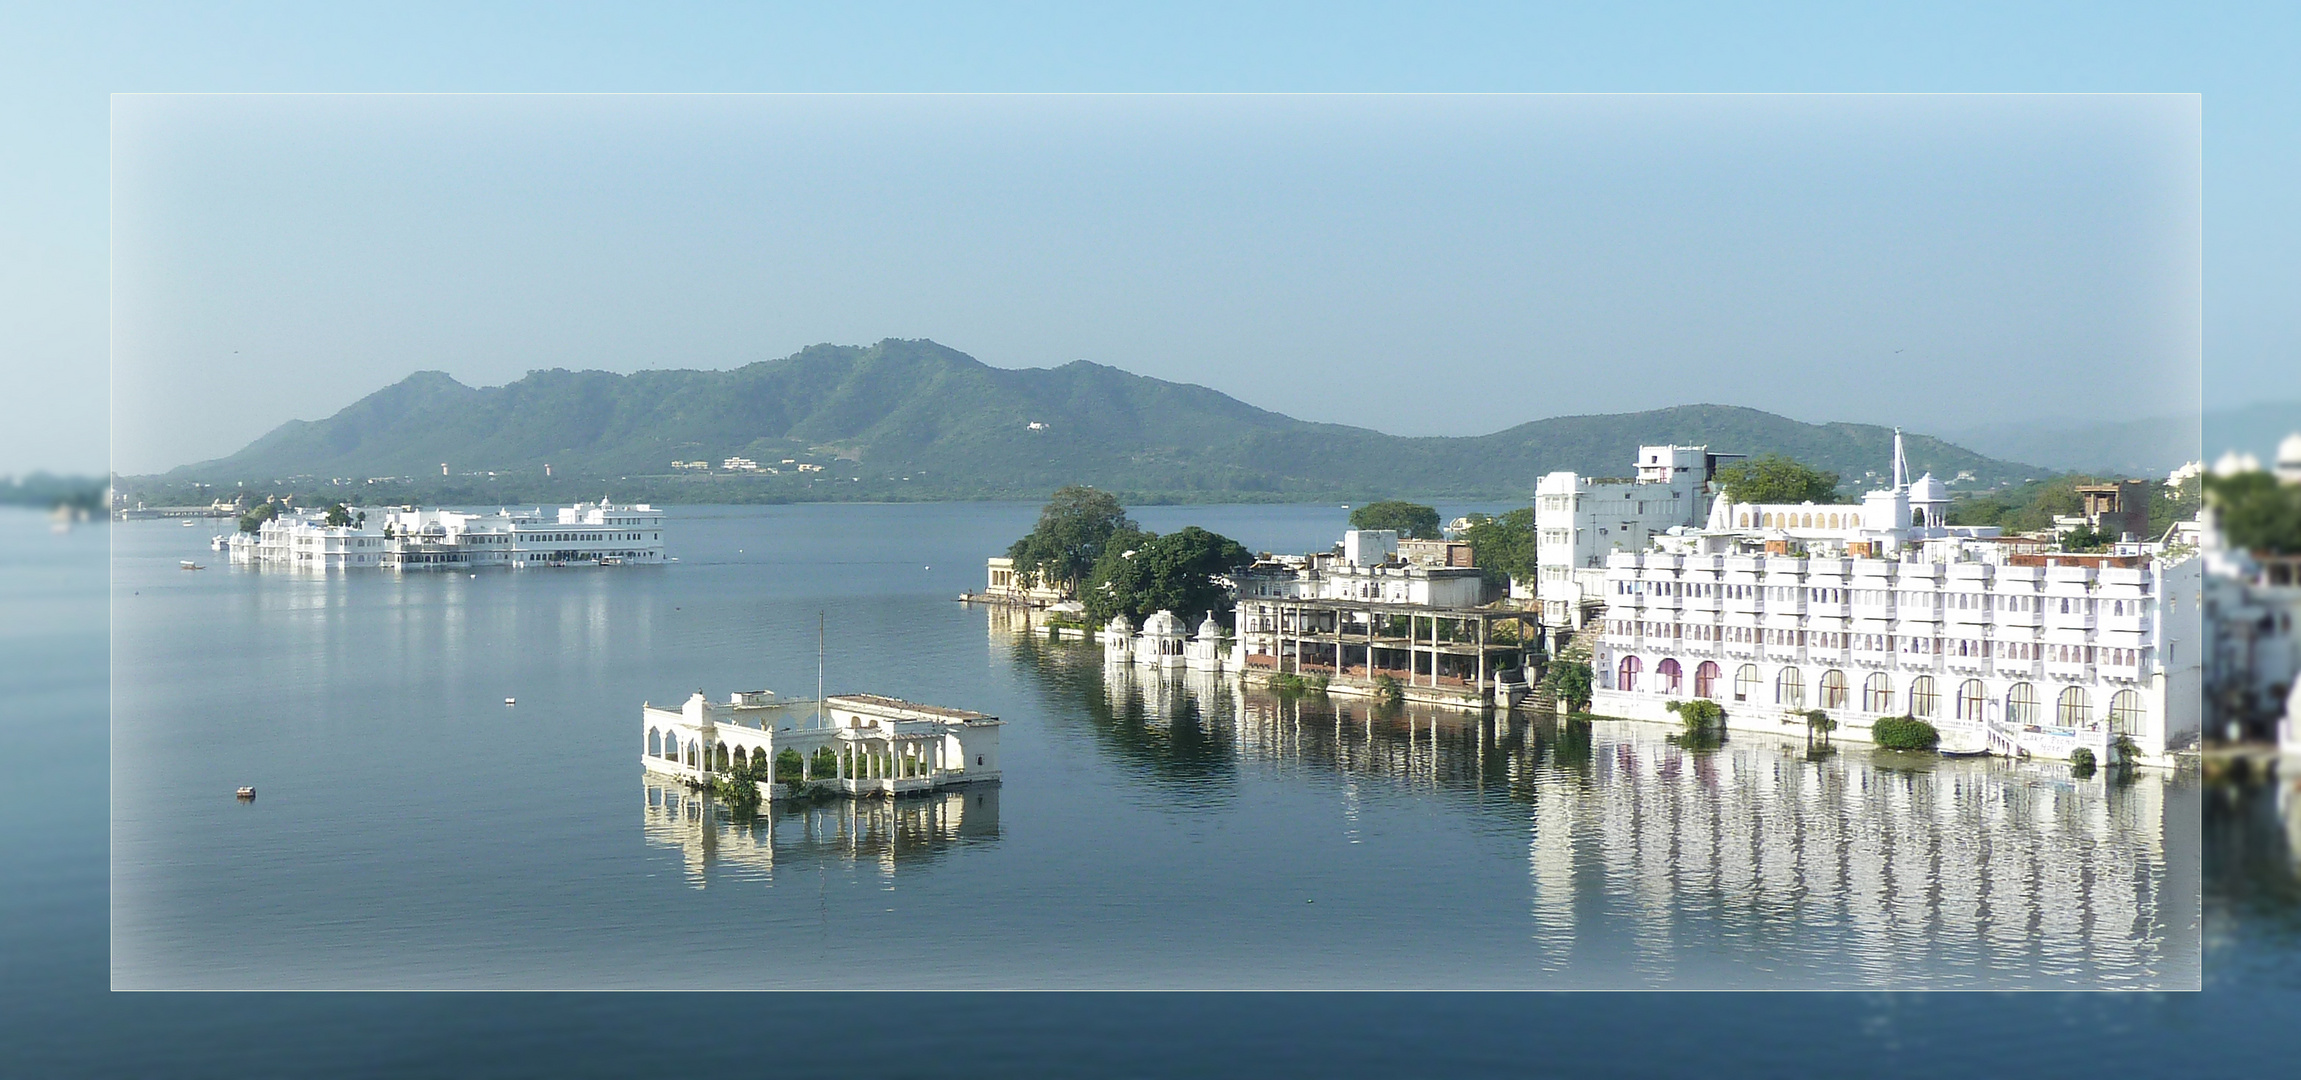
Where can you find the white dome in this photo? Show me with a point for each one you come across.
(1119, 625)
(2289, 451)
(1929, 490)
(1210, 629)
(1163, 624)
(2233, 462)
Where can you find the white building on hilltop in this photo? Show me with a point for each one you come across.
(597, 534)
(2034, 653)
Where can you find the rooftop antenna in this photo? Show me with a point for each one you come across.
(1901, 465)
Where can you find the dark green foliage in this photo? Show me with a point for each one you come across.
(1410, 520)
(1504, 547)
(340, 516)
(1819, 723)
(738, 787)
(959, 429)
(2032, 506)
(1290, 684)
(1570, 683)
(1701, 716)
(1774, 478)
(788, 766)
(1143, 573)
(2256, 512)
(1074, 526)
(2086, 538)
(2128, 752)
(1388, 691)
(254, 519)
(825, 763)
(1904, 733)
(2081, 763)
(2173, 504)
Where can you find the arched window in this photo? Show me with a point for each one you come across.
(1878, 693)
(691, 759)
(2021, 704)
(1833, 689)
(654, 743)
(1923, 703)
(1790, 689)
(1745, 521)
(1917, 516)
(1969, 699)
(1745, 682)
(1626, 678)
(742, 757)
(1833, 521)
(2125, 712)
(1706, 680)
(1766, 521)
(2074, 709)
(1671, 676)
(1806, 522)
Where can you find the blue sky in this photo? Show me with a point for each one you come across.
(58, 65)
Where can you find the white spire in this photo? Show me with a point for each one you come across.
(1901, 465)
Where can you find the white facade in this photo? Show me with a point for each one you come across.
(861, 744)
(1580, 520)
(1880, 610)
(2049, 658)
(584, 534)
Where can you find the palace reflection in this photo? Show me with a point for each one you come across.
(1749, 864)
(716, 843)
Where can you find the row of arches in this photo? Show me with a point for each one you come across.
(718, 757)
(1767, 520)
(2073, 706)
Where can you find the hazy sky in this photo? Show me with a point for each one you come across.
(58, 63)
(1424, 265)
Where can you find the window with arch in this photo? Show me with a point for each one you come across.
(1745, 521)
(1923, 702)
(1766, 521)
(1833, 689)
(2074, 708)
(1878, 692)
(1626, 676)
(1670, 676)
(2125, 712)
(1969, 700)
(1706, 680)
(654, 743)
(691, 758)
(2021, 704)
(1790, 689)
(1833, 521)
(1806, 522)
(1745, 682)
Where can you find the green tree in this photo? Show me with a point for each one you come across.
(1699, 715)
(1904, 733)
(1141, 573)
(1411, 520)
(1818, 723)
(1570, 683)
(788, 766)
(340, 516)
(2256, 512)
(2085, 538)
(1504, 547)
(254, 519)
(1773, 478)
(1074, 527)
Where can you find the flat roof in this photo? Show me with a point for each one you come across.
(884, 703)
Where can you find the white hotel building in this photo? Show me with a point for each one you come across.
(588, 534)
(1875, 610)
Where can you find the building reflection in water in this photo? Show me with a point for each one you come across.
(718, 844)
(1851, 868)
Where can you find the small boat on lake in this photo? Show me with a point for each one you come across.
(190, 565)
(1965, 751)
(247, 792)
(511, 701)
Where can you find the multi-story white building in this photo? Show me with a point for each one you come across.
(2037, 653)
(599, 533)
(1580, 520)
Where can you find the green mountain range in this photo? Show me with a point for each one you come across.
(917, 420)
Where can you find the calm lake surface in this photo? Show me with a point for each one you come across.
(57, 1018)
(412, 831)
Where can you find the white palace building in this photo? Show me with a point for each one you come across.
(586, 534)
(1876, 609)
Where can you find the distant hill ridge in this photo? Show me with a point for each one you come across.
(915, 419)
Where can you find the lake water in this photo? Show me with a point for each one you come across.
(56, 1018)
(412, 831)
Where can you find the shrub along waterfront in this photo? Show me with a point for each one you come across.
(1904, 733)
